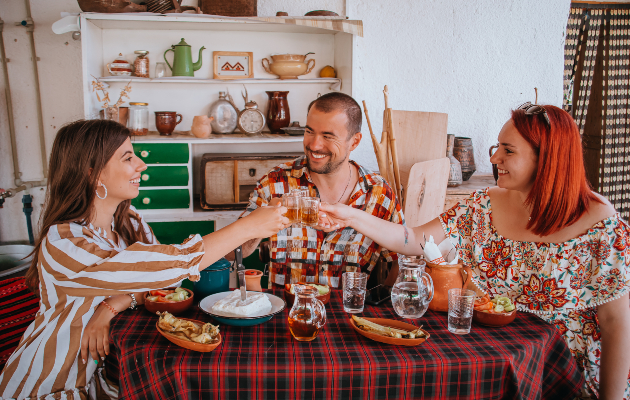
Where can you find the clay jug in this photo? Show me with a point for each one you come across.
(278, 115)
(446, 277)
(201, 126)
(464, 153)
(455, 173)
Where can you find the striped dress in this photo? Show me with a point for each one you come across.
(80, 267)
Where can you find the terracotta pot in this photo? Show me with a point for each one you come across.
(464, 153)
(455, 172)
(252, 280)
(166, 121)
(201, 127)
(278, 115)
(446, 277)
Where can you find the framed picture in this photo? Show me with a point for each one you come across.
(233, 65)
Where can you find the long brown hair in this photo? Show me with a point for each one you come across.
(561, 194)
(80, 147)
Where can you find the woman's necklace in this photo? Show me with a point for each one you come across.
(347, 184)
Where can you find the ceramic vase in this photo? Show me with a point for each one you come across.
(455, 172)
(278, 115)
(201, 127)
(464, 153)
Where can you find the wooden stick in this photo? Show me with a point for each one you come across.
(237, 188)
(392, 142)
(382, 166)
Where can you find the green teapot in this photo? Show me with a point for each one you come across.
(182, 59)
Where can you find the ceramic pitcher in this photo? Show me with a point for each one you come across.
(446, 277)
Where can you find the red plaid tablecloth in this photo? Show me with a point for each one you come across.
(527, 359)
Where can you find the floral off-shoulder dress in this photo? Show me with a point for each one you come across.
(562, 283)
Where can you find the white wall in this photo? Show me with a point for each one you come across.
(474, 60)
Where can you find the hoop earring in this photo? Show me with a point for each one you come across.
(104, 197)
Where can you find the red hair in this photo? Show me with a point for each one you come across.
(560, 194)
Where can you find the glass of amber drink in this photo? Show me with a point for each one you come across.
(293, 204)
(309, 213)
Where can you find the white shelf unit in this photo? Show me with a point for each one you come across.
(104, 36)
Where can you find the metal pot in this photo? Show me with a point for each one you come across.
(214, 279)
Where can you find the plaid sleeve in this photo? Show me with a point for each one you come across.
(260, 196)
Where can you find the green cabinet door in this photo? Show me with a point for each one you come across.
(171, 175)
(152, 199)
(162, 153)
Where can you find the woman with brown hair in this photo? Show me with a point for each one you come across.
(94, 252)
(542, 238)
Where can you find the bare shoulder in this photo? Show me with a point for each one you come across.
(498, 196)
(599, 211)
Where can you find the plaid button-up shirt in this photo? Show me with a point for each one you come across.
(311, 255)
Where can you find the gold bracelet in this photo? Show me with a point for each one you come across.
(112, 309)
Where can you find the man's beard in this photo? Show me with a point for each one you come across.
(327, 168)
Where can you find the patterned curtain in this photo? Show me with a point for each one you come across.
(603, 28)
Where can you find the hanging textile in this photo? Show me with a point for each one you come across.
(597, 43)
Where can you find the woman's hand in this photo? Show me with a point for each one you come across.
(95, 340)
(334, 216)
(267, 220)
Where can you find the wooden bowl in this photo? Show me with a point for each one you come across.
(499, 319)
(392, 323)
(173, 308)
(187, 344)
(290, 297)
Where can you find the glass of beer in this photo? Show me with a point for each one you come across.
(293, 204)
(309, 213)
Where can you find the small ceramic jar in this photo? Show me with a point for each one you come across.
(120, 66)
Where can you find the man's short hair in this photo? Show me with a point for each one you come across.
(337, 101)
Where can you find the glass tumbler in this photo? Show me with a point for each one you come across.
(293, 203)
(309, 214)
(354, 284)
(160, 69)
(460, 310)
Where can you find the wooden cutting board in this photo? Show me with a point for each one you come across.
(426, 191)
(420, 136)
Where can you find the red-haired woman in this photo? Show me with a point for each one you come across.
(542, 238)
(93, 253)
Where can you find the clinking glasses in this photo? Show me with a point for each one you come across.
(534, 109)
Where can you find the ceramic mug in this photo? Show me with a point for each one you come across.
(166, 121)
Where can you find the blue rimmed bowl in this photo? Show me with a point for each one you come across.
(277, 305)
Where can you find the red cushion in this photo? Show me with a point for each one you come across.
(18, 307)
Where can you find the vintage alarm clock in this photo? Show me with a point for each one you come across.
(251, 120)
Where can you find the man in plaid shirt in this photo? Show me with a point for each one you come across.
(333, 130)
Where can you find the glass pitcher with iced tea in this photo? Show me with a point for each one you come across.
(413, 290)
(308, 315)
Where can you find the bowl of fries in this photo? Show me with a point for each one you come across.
(189, 333)
(389, 331)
